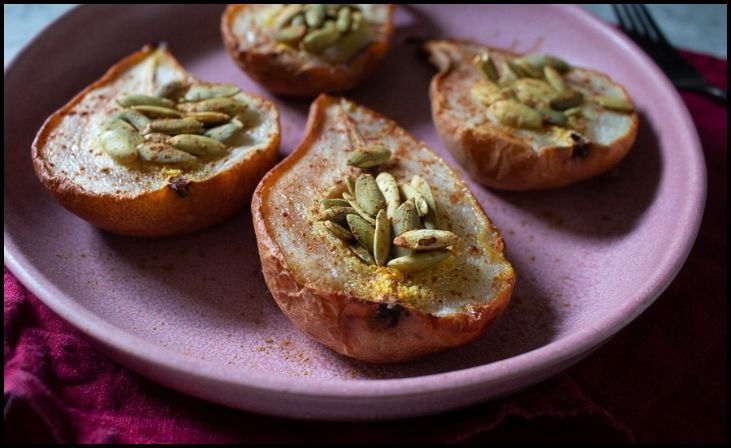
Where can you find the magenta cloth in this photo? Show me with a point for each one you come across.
(661, 379)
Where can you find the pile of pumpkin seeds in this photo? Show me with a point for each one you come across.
(180, 124)
(530, 91)
(379, 227)
(316, 27)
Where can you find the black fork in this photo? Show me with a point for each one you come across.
(636, 21)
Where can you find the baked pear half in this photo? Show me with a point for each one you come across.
(372, 245)
(303, 50)
(527, 122)
(149, 150)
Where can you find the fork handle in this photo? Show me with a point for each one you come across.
(710, 91)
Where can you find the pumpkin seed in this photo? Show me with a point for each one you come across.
(527, 69)
(198, 145)
(553, 117)
(382, 238)
(368, 195)
(230, 106)
(369, 156)
(338, 230)
(507, 75)
(487, 92)
(133, 117)
(226, 131)
(485, 63)
(342, 24)
(327, 203)
(411, 193)
(200, 92)
(514, 114)
(540, 61)
(516, 69)
(208, 117)
(613, 103)
(406, 218)
(567, 99)
(350, 185)
(554, 78)
(431, 220)
(317, 40)
(362, 230)
(291, 33)
(163, 153)
(136, 99)
(121, 142)
(350, 44)
(173, 90)
(389, 189)
(361, 253)
(298, 20)
(338, 214)
(173, 126)
(419, 261)
(286, 14)
(359, 210)
(533, 92)
(157, 111)
(426, 239)
(314, 15)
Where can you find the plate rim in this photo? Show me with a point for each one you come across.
(520, 365)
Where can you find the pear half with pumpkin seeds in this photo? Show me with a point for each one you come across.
(126, 170)
(303, 50)
(351, 303)
(527, 122)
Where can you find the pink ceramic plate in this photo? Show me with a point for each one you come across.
(193, 312)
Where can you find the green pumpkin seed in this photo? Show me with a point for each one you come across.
(431, 220)
(327, 203)
(533, 92)
(338, 214)
(230, 106)
(362, 230)
(553, 117)
(514, 114)
(389, 189)
(350, 185)
(410, 193)
(343, 23)
(485, 63)
(173, 126)
(198, 145)
(419, 261)
(516, 69)
(405, 219)
(290, 33)
(350, 44)
(200, 92)
(368, 195)
(314, 15)
(362, 253)
(163, 153)
(156, 137)
(426, 239)
(540, 61)
(173, 90)
(226, 131)
(527, 69)
(357, 22)
(613, 103)
(359, 210)
(121, 142)
(567, 99)
(209, 117)
(157, 111)
(382, 238)
(144, 100)
(369, 156)
(286, 14)
(339, 231)
(554, 79)
(507, 75)
(133, 117)
(317, 40)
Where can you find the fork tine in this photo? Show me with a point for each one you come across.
(623, 24)
(650, 23)
(640, 29)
